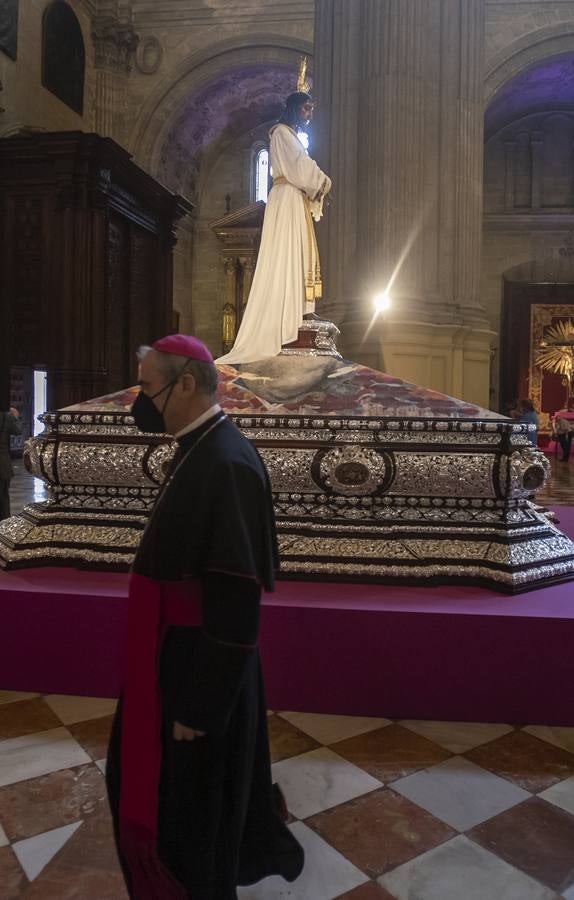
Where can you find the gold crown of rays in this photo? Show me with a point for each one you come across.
(303, 85)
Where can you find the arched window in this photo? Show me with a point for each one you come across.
(261, 164)
(261, 174)
(63, 55)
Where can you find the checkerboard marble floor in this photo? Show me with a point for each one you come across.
(410, 810)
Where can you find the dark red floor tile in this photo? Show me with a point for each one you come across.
(535, 837)
(380, 831)
(391, 752)
(527, 761)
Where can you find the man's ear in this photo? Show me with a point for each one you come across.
(188, 385)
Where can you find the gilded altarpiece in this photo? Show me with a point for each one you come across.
(547, 390)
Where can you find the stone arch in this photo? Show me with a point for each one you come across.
(195, 72)
(524, 53)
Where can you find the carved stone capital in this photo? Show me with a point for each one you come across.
(114, 44)
(248, 262)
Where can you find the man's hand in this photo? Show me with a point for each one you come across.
(183, 733)
(14, 412)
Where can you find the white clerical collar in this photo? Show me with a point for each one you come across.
(199, 421)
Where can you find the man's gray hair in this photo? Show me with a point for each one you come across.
(172, 365)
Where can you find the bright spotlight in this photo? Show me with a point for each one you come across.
(382, 302)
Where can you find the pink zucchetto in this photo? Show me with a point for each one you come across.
(183, 345)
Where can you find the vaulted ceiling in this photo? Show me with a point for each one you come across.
(222, 110)
(546, 86)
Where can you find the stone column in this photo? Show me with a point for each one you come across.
(406, 93)
(114, 43)
(335, 146)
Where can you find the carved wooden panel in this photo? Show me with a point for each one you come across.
(26, 329)
(116, 329)
(86, 239)
(144, 288)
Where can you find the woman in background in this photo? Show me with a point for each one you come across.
(526, 413)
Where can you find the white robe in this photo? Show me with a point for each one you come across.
(276, 303)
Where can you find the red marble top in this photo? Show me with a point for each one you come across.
(315, 386)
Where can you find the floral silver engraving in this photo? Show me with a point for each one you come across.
(379, 497)
(444, 475)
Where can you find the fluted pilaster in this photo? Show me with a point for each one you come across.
(114, 46)
(336, 146)
(400, 115)
(400, 122)
(463, 74)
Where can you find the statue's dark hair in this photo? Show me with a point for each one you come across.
(293, 104)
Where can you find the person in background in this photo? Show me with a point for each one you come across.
(526, 413)
(9, 425)
(563, 428)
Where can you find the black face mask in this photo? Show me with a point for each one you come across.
(146, 415)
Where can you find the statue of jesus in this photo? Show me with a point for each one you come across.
(287, 278)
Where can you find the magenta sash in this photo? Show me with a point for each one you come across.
(152, 606)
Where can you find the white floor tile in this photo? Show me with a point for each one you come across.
(561, 794)
(458, 737)
(101, 764)
(560, 737)
(39, 754)
(461, 870)
(328, 729)
(460, 793)
(320, 779)
(14, 696)
(3, 838)
(36, 852)
(327, 874)
(71, 709)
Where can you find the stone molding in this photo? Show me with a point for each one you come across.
(528, 222)
(150, 14)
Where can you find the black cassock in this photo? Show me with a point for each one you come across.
(220, 822)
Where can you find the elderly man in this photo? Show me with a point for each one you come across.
(189, 781)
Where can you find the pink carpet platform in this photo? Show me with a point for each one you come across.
(458, 653)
